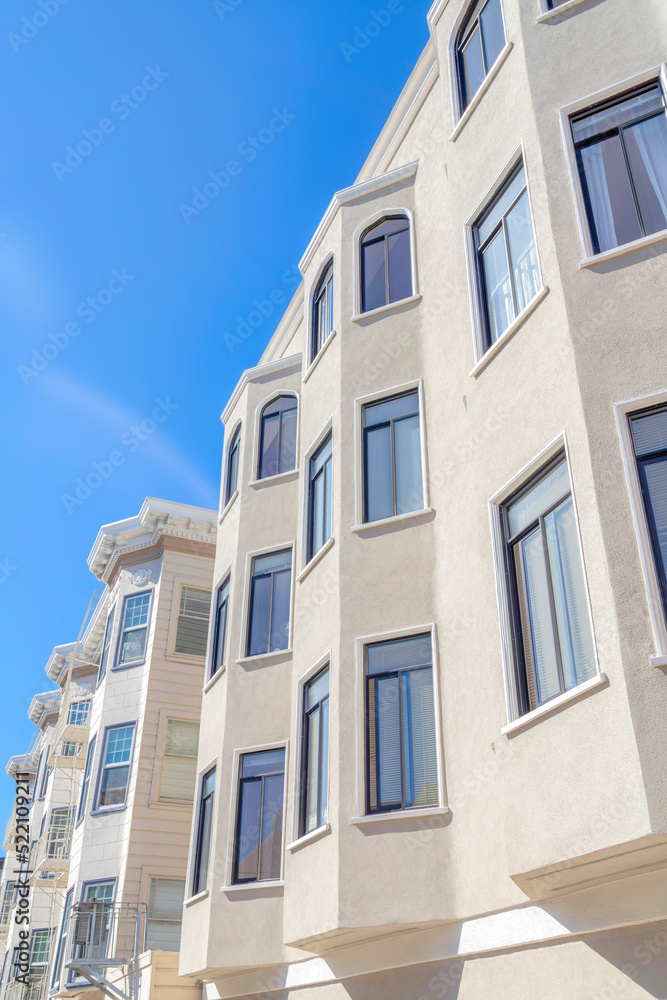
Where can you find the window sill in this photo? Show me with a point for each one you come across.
(316, 360)
(625, 248)
(329, 544)
(253, 886)
(127, 666)
(196, 899)
(659, 661)
(109, 809)
(488, 80)
(399, 814)
(509, 333)
(549, 15)
(386, 521)
(552, 706)
(381, 310)
(308, 838)
(227, 506)
(212, 680)
(264, 657)
(282, 477)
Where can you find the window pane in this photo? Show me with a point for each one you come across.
(247, 847)
(258, 641)
(650, 433)
(539, 498)
(182, 738)
(614, 115)
(324, 763)
(421, 765)
(656, 480)
(265, 762)
(403, 653)
(191, 636)
(119, 745)
(646, 144)
(611, 200)
(317, 689)
(388, 742)
(408, 465)
(136, 610)
(114, 786)
(386, 228)
(272, 562)
(521, 239)
(133, 646)
(500, 206)
(500, 308)
(391, 409)
(288, 441)
(317, 528)
(569, 587)
(473, 66)
(165, 910)
(195, 601)
(272, 827)
(312, 769)
(539, 612)
(220, 627)
(280, 610)
(493, 32)
(400, 267)
(378, 478)
(374, 277)
(269, 461)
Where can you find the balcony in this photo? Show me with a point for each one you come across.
(104, 942)
(51, 853)
(35, 989)
(70, 751)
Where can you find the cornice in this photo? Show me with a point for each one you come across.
(435, 12)
(294, 361)
(20, 762)
(359, 190)
(44, 705)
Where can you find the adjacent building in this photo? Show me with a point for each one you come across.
(432, 758)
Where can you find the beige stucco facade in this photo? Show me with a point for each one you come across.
(542, 870)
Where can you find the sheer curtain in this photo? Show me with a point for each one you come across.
(651, 145)
(598, 193)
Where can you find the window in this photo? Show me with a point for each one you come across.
(179, 766)
(649, 434)
(40, 947)
(7, 899)
(277, 448)
(386, 267)
(85, 785)
(552, 628)
(259, 826)
(220, 627)
(480, 42)
(323, 310)
(319, 498)
(508, 271)
(105, 647)
(392, 457)
(78, 713)
(165, 912)
(315, 753)
(233, 466)
(193, 618)
(622, 158)
(402, 767)
(46, 773)
(115, 772)
(552, 4)
(94, 922)
(59, 833)
(135, 629)
(62, 940)
(270, 603)
(203, 841)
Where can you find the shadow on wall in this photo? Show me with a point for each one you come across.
(639, 954)
(434, 981)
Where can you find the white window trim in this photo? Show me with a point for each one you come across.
(245, 614)
(460, 115)
(548, 14)
(359, 404)
(320, 354)
(327, 258)
(178, 583)
(223, 515)
(232, 812)
(224, 504)
(120, 630)
(360, 644)
(549, 707)
(559, 444)
(254, 473)
(312, 671)
(97, 809)
(220, 580)
(623, 411)
(483, 353)
(383, 213)
(566, 113)
(304, 561)
(211, 765)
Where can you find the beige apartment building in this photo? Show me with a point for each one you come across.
(112, 773)
(432, 758)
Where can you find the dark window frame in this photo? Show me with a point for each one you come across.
(86, 781)
(218, 641)
(56, 978)
(641, 461)
(116, 807)
(251, 601)
(393, 420)
(470, 23)
(367, 239)
(237, 824)
(106, 645)
(123, 629)
(205, 804)
(232, 467)
(306, 713)
(325, 472)
(262, 425)
(322, 301)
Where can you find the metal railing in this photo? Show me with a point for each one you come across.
(105, 934)
(34, 989)
(52, 850)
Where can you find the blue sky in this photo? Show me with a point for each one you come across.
(114, 293)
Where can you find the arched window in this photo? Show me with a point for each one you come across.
(277, 446)
(480, 42)
(233, 465)
(323, 310)
(386, 268)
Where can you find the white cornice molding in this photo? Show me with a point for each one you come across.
(294, 361)
(18, 763)
(43, 705)
(359, 190)
(435, 12)
(282, 333)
